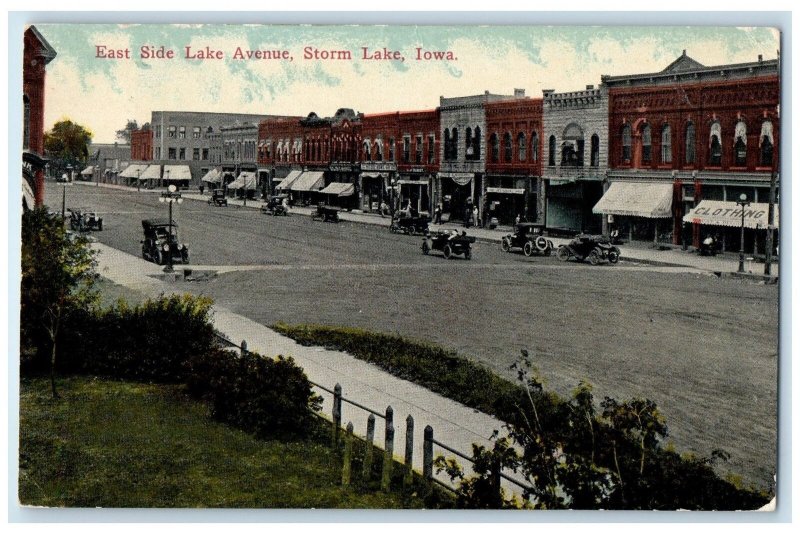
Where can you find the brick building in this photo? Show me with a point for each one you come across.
(379, 135)
(239, 157)
(417, 150)
(142, 144)
(575, 146)
(37, 53)
(278, 156)
(514, 160)
(691, 133)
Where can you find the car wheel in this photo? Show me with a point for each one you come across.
(448, 251)
(528, 248)
(594, 257)
(505, 244)
(468, 253)
(541, 244)
(159, 257)
(562, 253)
(426, 248)
(613, 255)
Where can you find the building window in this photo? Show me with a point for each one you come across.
(182, 132)
(196, 132)
(468, 151)
(551, 149)
(666, 144)
(508, 148)
(158, 152)
(172, 153)
(391, 149)
(594, 157)
(740, 144)
(476, 143)
(715, 145)
(522, 147)
(626, 143)
(182, 154)
(367, 151)
(406, 150)
(172, 131)
(26, 122)
(494, 141)
(158, 133)
(378, 148)
(419, 148)
(767, 144)
(690, 144)
(454, 145)
(572, 146)
(446, 144)
(534, 146)
(431, 149)
(647, 144)
(196, 154)
(205, 154)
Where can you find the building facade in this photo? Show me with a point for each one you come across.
(280, 143)
(142, 144)
(378, 161)
(106, 161)
(240, 155)
(37, 53)
(417, 152)
(699, 133)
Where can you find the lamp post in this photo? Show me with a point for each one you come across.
(394, 185)
(139, 179)
(170, 196)
(743, 202)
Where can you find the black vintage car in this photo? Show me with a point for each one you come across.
(529, 238)
(327, 213)
(218, 198)
(158, 245)
(83, 219)
(591, 248)
(277, 205)
(407, 224)
(450, 242)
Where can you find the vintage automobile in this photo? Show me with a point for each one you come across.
(450, 242)
(408, 224)
(83, 219)
(592, 248)
(158, 245)
(276, 205)
(327, 213)
(218, 198)
(528, 237)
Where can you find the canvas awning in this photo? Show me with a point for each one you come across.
(133, 171)
(246, 180)
(637, 199)
(214, 176)
(152, 172)
(720, 213)
(290, 179)
(177, 172)
(339, 188)
(308, 181)
(88, 171)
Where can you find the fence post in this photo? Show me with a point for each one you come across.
(348, 455)
(496, 496)
(243, 350)
(337, 413)
(388, 457)
(367, 471)
(409, 468)
(427, 454)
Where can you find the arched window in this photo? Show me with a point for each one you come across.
(647, 144)
(715, 145)
(508, 148)
(666, 144)
(766, 144)
(626, 143)
(494, 141)
(534, 146)
(454, 145)
(378, 150)
(594, 160)
(447, 144)
(522, 152)
(468, 151)
(367, 151)
(740, 144)
(551, 151)
(572, 146)
(476, 143)
(690, 144)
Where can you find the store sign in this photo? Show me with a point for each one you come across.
(386, 166)
(505, 190)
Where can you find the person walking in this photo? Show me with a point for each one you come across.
(475, 218)
(437, 214)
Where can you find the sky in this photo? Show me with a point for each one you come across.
(103, 93)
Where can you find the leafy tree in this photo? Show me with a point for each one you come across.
(67, 144)
(58, 275)
(124, 135)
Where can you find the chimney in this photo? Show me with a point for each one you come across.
(684, 52)
(519, 93)
(589, 87)
(760, 58)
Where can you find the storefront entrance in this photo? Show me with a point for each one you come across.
(455, 199)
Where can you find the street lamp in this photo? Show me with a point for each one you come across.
(394, 184)
(743, 202)
(170, 196)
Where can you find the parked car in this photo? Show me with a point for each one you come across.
(710, 246)
(83, 219)
(450, 242)
(158, 244)
(277, 205)
(218, 198)
(592, 248)
(528, 237)
(409, 224)
(327, 213)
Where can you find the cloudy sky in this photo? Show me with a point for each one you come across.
(102, 93)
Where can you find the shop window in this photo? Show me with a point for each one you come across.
(171, 131)
(767, 144)
(715, 145)
(551, 149)
(494, 141)
(594, 158)
(534, 146)
(521, 147)
(431, 149)
(690, 144)
(406, 150)
(626, 143)
(647, 144)
(418, 150)
(666, 144)
(196, 132)
(182, 132)
(740, 144)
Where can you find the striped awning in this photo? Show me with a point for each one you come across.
(308, 181)
(339, 189)
(721, 213)
(637, 199)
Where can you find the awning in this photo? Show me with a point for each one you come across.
(152, 172)
(720, 213)
(339, 189)
(177, 172)
(290, 179)
(505, 190)
(308, 181)
(88, 171)
(133, 171)
(214, 176)
(637, 199)
(246, 180)
(461, 178)
(374, 174)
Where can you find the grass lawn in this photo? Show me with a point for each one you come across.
(122, 444)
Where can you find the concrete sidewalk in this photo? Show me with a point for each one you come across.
(454, 424)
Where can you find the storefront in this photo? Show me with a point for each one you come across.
(724, 220)
(374, 188)
(306, 187)
(569, 205)
(244, 184)
(413, 190)
(338, 194)
(458, 193)
(639, 211)
(509, 197)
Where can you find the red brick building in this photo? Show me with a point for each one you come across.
(417, 158)
(280, 150)
(37, 53)
(698, 133)
(142, 144)
(379, 136)
(514, 160)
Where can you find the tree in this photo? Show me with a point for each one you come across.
(58, 274)
(124, 135)
(67, 144)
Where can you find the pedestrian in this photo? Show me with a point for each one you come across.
(475, 217)
(518, 219)
(201, 187)
(437, 214)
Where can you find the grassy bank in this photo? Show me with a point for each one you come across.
(122, 444)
